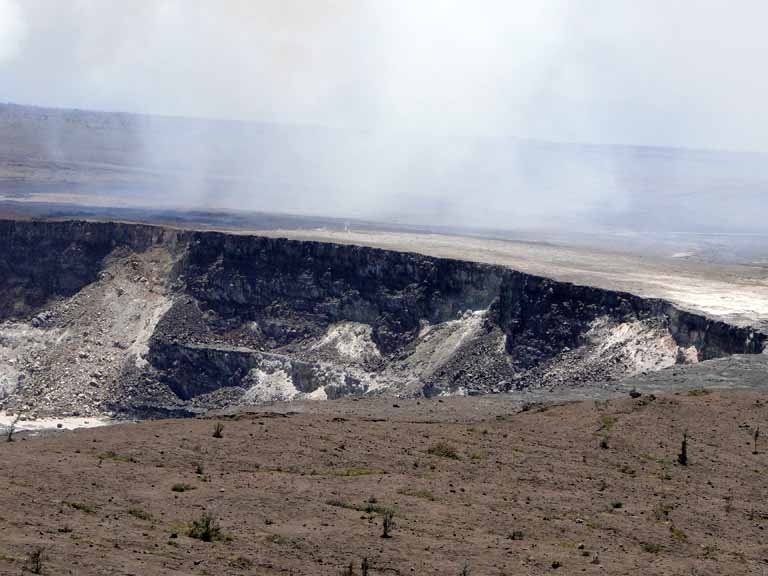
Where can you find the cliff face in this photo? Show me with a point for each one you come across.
(288, 296)
(212, 319)
(40, 261)
(541, 317)
(316, 284)
(251, 278)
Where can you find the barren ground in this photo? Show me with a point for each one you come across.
(528, 492)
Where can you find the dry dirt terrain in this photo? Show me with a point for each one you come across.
(475, 485)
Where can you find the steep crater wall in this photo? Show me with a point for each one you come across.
(284, 296)
(541, 317)
(40, 261)
(315, 284)
(220, 319)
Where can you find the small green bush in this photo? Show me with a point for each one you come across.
(206, 528)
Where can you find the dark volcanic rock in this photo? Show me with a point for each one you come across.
(44, 260)
(251, 278)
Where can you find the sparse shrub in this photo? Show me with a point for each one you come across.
(11, 429)
(387, 524)
(80, 506)
(341, 504)
(199, 470)
(218, 430)
(182, 487)
(628, 470)
(417, 493)
(244, 562)
(662, 511)
(677, 534)
(277, 539)
(682, 458)
(607, 422)
(518, 535)
(206, 528)
(35, 560)
(140, 514)
(114, 456)
(370, 506)
(444, 450)
(757, 436)
(604, 443)
(652, 548)
(616, 504)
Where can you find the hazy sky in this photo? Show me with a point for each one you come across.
(416, 110)
(679, 73)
